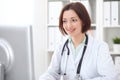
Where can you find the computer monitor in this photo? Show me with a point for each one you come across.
(16, 53)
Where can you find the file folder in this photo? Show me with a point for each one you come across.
(54, 12)
(106, 13)
(114, 13)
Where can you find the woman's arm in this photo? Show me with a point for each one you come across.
(105, 65)
(53, 69)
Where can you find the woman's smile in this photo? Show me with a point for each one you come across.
(70, 30)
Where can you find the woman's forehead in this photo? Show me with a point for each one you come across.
(70, 14)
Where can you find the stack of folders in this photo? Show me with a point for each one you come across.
(111, 13)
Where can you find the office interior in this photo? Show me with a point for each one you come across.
(43, 15)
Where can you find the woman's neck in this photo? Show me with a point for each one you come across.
(78, 39)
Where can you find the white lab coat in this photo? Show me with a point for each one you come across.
(97, 63)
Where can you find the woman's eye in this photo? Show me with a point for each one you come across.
(64, 21)
(74, 20)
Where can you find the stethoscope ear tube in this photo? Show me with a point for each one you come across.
(65, 44)
(84, 49)
(68, 52)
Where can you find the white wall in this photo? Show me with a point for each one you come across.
(16, 12)
(40, 36)
(29, 12)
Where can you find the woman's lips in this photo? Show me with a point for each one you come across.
(70, 30)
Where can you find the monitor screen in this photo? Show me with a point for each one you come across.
(16, 53)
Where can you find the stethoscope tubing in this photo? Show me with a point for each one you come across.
(68, 53)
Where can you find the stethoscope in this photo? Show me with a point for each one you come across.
(78, 77)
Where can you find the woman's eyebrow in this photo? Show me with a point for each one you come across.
(73, 17)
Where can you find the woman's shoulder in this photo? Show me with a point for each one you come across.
(60, 45)
(97, 43)
(97, 46)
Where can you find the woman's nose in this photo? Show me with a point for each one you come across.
(69, 24)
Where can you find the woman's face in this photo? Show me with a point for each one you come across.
(72, 24)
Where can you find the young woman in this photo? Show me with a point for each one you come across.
(80, 57)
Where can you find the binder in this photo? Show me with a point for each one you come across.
(54, 37)
(51, 37)
(106, 13)
(54, 12)
(114, 13)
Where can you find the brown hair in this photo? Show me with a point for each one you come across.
(82, 13)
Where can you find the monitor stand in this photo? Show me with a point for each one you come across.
(6, 59)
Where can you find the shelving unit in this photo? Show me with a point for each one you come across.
(111, 21)
(111, 27)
